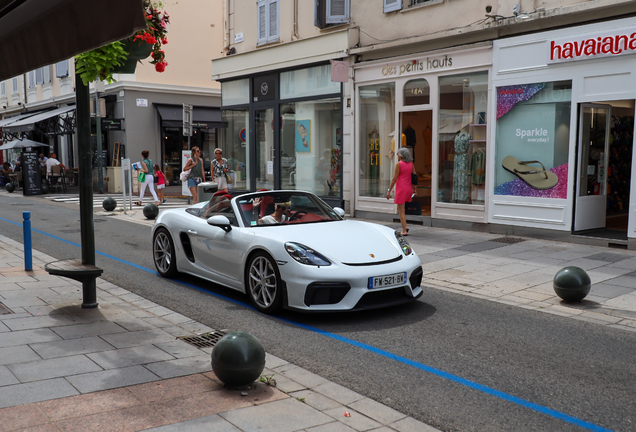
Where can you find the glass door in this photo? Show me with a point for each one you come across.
(591, 196)
(264, 148)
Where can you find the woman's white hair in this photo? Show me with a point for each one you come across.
(406, 154)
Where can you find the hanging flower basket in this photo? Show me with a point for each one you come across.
(137, 50)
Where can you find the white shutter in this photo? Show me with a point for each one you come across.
(337, 11)
(14, 81)
(47, 74)
(3, 88)
(39, 76)
(262, 21)
(61, 69)
(272, 33)
(31, 79)
(392, 5)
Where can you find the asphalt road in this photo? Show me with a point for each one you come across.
(429, 359)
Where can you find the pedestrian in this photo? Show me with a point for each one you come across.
(197, 173)
(161, 183)
(403, 187)
(148, 168)
(221, 167)
(4, 175)
(42, 159)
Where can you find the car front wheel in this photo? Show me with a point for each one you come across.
(163, 253)
(263, 283)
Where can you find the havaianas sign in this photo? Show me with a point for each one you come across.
(601, 44)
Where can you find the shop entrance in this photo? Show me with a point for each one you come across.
(417, 136)
(605, 145)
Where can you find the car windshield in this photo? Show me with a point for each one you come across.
(284, 208)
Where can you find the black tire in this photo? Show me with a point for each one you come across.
(262, 283)
(164, 253)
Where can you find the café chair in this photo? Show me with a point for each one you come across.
(57, 178)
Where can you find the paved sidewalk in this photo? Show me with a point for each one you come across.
(121, 368)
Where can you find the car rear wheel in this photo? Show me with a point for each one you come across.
(163, 253)
(263, 283)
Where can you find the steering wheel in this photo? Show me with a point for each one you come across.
(297, 215)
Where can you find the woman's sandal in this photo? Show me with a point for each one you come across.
(138, 203)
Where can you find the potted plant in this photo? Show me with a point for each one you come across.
(123, 56)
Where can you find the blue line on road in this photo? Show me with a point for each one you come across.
(434, 371)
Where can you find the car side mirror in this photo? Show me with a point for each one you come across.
(221, 222)
(340, 212)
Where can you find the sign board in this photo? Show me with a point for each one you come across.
(31, 176)
(187, 120)
(142, 103)
(112, 124)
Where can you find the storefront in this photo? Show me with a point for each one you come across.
(284, 131)
(562, 146)
(436, 105)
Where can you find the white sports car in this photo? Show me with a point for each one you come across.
(288, 249)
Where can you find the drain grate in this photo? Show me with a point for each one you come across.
(204, 340)
(5, 310)
(508, 240)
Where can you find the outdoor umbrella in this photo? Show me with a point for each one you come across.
(21, 144)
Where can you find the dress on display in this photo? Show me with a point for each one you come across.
(461, 177)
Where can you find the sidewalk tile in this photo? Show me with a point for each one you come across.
(88, 404)
(285, 415)
(125, 419)
(338, 393)
(7, 377)
(65, 348)
(213, 423)
(409, 424)
(181, 367)
(302, 376)
(334, 426)
(24, 337)
(110, 379)
(179, 349)
(53, 368)
(21, 418)
(17, 354)
(90, 329)
(316, 400)
(377, 411)
(357, 420)
(37, 391)
(138, 338)
(129, 357)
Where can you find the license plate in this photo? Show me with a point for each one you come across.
(387, 281)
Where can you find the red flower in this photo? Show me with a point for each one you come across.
(161, 66)
(164, 41)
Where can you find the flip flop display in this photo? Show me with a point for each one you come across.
(540, 179)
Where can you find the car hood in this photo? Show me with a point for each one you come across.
(350, 242)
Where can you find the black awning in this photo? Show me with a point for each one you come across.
(28, 124)
(36, 33)
(202, 117)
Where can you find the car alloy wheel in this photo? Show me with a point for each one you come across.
(164, 253)
(263, 283)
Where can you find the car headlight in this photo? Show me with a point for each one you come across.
(404, 244)
(305, 255)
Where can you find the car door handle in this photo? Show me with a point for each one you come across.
(193, 232)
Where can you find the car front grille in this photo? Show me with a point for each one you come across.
(416, 278)
(390, 297)
(373, 263)
(323, 293)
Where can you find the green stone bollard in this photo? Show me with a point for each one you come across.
(238, 359)
(45, 188)
(151, 211)
(9, 187)
(572, 284)
(109, 204)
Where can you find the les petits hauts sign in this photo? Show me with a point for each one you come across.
(608, 43)
(414, 66)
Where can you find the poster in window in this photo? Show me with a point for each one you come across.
(303, 136)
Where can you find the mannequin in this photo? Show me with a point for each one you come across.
(461, 178)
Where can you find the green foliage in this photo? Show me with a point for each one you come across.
(100, 62)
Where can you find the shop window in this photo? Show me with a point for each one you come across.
(235, 92)
(314, 81)
(311, 146)
(377, 143)
(173, 143)
(533, 129)
(268, 13)
(331, 12)
(235, 146)
(463, 102)
(417, 92)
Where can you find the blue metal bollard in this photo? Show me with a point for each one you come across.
(26, 231)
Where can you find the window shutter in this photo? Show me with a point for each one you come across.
(61, 69)
(319, 13)
(47, 74)
(262, 21)
(14, 81)
(3, 88)
(31, 81)
(337, 11)
(39, 76)
(392, 5)
(272, 34)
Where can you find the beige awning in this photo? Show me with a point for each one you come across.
(36, 33)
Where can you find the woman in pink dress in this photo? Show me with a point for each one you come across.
(402, 182)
